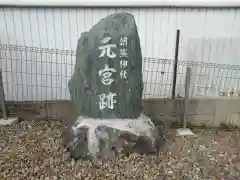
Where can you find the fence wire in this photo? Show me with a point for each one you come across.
(203, 36)
(40, 74)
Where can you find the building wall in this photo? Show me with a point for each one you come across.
(208, 35)
(214, 31)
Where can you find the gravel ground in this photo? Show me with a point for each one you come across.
(33, 150)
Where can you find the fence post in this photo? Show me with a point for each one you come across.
(2, 97)
(186, 97)
(175, 64)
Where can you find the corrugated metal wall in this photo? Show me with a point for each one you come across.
(209, 35)
(206, 34)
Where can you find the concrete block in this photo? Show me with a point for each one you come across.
(9, 121)
(202, 106)
(201, 119)
(233, 119)
(184, 132)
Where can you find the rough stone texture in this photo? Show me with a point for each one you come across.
(110, 137)
(86, 84)
(78, 145)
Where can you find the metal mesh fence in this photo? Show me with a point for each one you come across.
(39, 74)
(203, 36)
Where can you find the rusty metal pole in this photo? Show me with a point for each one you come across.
(175, 64)
(2, 98)
(186, 97)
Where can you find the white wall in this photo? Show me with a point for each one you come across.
(209, 35)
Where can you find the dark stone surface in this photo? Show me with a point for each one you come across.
(112, 143)
(86, 86)
(77, 144)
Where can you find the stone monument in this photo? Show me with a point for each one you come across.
(106, 89)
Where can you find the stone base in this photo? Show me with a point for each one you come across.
(109, 137)
(8, 121)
